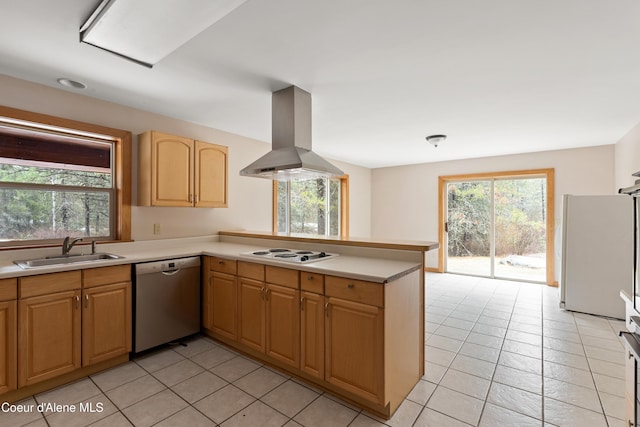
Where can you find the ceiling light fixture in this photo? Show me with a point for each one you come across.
(71, 83)
(145, 31)
(436, 139)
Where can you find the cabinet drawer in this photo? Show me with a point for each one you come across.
(283, 276)
(8, 289)
(355, 290)
(49, 283)
(223, 265)
(312, 282)
(106, 275)
(251, 270)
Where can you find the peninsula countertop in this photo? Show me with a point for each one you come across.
(411, 245)
(377, 270)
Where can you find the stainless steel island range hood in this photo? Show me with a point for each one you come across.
(291, 156)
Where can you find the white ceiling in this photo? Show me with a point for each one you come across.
(496, 76)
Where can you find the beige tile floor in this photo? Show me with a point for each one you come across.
(498, 353)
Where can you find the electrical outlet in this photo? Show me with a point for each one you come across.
(156, 228)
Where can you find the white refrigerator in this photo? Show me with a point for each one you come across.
(597, 254)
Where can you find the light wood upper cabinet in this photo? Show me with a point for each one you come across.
(211, 175)
(8, 335)
(178, 171)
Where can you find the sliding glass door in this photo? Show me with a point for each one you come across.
(469, 227)
(497, 227)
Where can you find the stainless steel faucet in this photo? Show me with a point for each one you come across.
(66, 246)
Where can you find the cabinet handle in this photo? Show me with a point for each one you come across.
(630, 423)
(630, 355)
(197, 198)
(190, 198)
(268, 293)
(309, 278)
(262, 293)
(351, 286)
(326, 309)
(86, 301)
(77, 302)
(302, 303)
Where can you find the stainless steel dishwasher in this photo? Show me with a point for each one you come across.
(167, 301)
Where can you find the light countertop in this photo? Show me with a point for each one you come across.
(411, 245)
(354, 267)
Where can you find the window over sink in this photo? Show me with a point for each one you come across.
(312, 207)
(61, 178)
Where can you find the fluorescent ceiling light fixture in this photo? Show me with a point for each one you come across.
(145, 31)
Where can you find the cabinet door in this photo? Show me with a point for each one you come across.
(211, 175)
(49, 336)
(251, 328)
(106, 322)
(312, 334)
(283, 324)
(172, 170)
(8, 346)
(220, 302)
(354, 348)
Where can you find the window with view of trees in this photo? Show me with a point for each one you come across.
(55, 184)
(313, 207)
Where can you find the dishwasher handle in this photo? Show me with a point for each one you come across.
(171, 272)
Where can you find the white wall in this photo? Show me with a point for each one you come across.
(360, 212)
(405, 199)
(627, 158)
(249, 198)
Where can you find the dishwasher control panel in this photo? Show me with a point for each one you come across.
(168, 265)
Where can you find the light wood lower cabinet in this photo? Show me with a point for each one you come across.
(50, 336)
(106, 322)
(251, 309)
(220, 297)
(282, 323)
(8, 335)
(312, 334)
(358, 339)
(268, 314)
(49, 325)
(355, 348)
(106, 313)
(219, 306)
(63, 327)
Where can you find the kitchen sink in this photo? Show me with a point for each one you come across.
(64, 259)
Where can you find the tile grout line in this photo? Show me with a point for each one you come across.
(486, 399)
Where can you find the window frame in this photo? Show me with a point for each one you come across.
(121, 167)
(548, 173)
(344, 208)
